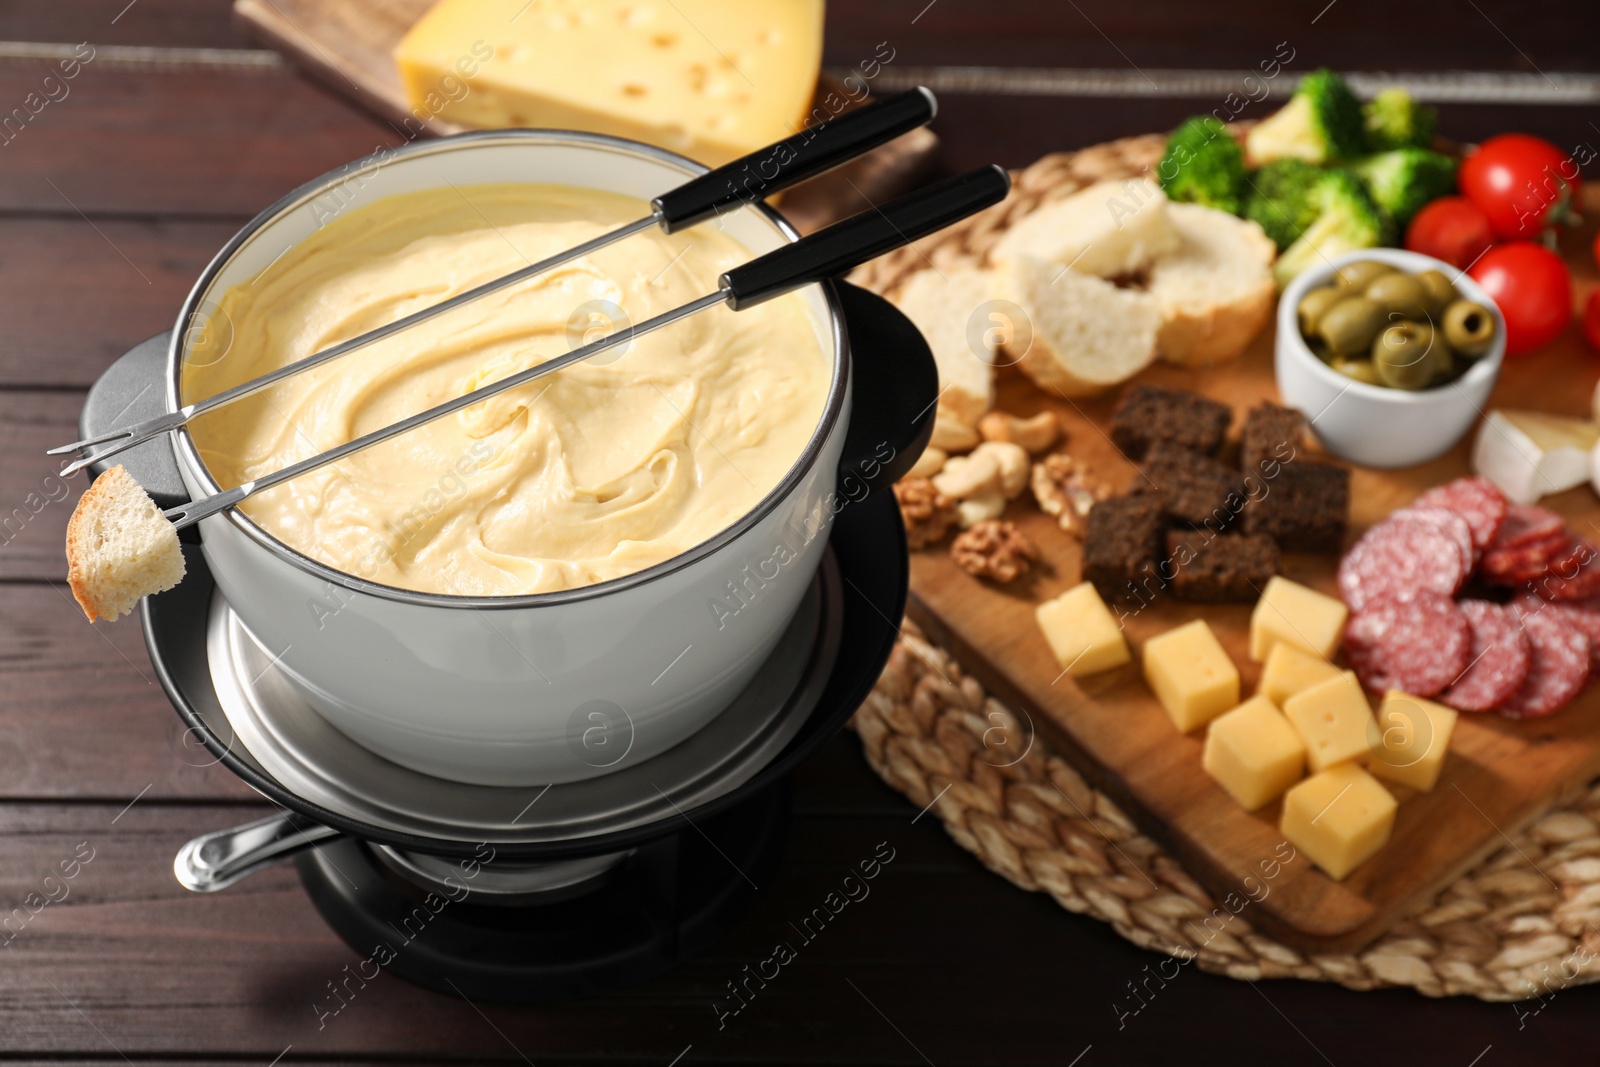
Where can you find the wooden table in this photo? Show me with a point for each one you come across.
(112, 198)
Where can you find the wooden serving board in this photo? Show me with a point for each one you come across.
(1499, 775)
(348, 45)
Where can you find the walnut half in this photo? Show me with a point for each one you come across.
(994, 549)
(1064, 489)
(928, 513)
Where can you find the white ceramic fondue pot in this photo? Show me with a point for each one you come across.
(552, 687)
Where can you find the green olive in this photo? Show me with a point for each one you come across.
(1313, 304)
(1359, 369)
(1399, 294)
(1349, 326)
(1447, 366)
(1469, 328)
(1403, 355)
(1440, 292)
(1355, 277)
(1319, 348)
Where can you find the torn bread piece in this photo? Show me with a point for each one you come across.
(1215, 290)
(120, 547)
(1110, 229)
(1087, 334)
(944, 306)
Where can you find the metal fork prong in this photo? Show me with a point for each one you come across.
(79, 446)
(79, 464)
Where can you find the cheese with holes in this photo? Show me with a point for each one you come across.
(1290, 669)
(1082, 633)
(1254, 753)
(1191, 674)
(1413, 738)
(711, 79)
(1338, 818)
(1305, 618)
(1333, 720)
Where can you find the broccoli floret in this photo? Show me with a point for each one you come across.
(1321, 123)
(1404, 179)
(1278, 198)
(1395, 120)
(1347, 220)
(1203, 165)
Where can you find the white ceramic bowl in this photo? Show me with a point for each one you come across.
(1369, 424)
(553, 687)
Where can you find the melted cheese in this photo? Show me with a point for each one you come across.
(598, 471)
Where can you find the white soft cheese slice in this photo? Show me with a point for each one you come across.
(1529, 454)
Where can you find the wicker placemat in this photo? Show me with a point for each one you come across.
(1523, 924)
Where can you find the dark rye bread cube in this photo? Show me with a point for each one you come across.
(1192, 488)
(1122, 547)
(1301, 504)
(1149, 413)
(1272, 435)
(1219, 570)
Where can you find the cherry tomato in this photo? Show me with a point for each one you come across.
(1591, 320)
(1524, 184)
(1533, 289)
(1453, 229)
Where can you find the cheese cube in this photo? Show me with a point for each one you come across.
(1290, 669)
(1305, 618)
(1082, 633)
(1413, 738)
(1333, 720)
(1254, 753)
(1191, 675)
(711, 79)
(1338, 818)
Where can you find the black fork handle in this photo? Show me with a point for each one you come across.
(810, 152)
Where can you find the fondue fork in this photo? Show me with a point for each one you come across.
(816, 258)
(791, 161)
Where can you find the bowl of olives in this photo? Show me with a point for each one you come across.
(1391, 354)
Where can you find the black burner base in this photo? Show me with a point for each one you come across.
(673, 897)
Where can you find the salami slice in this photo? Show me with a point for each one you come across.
(1503, 564)
(1535, 568)
(1525, 523)
(1498, 663)
(1582, 614)
(1477, 500)
(1558, 670)
(1574, 578)
(1447, 520)
(1419, 644)
(1397, 558)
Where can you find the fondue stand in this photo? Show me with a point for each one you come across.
(515, 893)
(521, 892)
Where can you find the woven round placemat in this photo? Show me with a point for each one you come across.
(1525, 923)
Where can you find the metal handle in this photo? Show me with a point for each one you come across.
(832, 251)
(791, 161)
(217, 860)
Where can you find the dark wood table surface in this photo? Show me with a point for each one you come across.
(114, 196)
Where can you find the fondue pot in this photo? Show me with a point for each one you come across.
(563, 686)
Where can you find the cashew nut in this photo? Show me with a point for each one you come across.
(951, 435)
(965, 476)
(1034, 434)
(979, 508)
(1012, 461)
(928, 464)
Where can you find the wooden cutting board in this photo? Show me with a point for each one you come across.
(348, 45)
(1498, 777)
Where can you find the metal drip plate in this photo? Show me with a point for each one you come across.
(294, 744)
